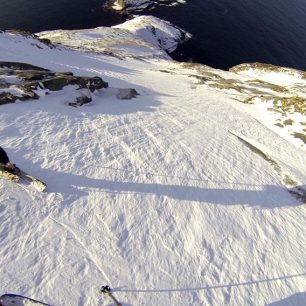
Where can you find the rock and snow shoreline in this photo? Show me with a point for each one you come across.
(140, 5)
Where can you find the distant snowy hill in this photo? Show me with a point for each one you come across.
(141, 37)
(190, 192)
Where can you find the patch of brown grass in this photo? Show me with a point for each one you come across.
(282, 104)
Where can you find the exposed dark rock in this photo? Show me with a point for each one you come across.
(33, 75)
(27, 93)
(32, 78)
(94, 83)
(132, 6)
(126, 93)
(59, 81)
(126, 5)
(7, 97)
(56, 83)
(80, 101)
(46, 41)
(299, 192)
(20, 66)
(20, 32)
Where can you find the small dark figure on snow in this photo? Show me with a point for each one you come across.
(5, 163)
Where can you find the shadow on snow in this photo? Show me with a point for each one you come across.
(265, 196)
(296, 297)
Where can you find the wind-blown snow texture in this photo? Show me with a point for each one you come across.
(155, 196)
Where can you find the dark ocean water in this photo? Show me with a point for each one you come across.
(225, 32)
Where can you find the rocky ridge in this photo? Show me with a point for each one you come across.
(21, 81)
(139, 5)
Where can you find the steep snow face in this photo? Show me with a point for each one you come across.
(156, 31)
(177, 197)
(142, 37)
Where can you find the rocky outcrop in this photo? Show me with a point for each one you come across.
(19, 81)
(59, 80)
(7, 97)
(137, 5)
(80, 101)
(10, 67)
(267, 68)
(126, 93)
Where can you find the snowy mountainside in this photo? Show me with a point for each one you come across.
(184, 195)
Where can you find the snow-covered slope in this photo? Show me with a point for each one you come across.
(180, 196)
(160, 33)
(141, 37)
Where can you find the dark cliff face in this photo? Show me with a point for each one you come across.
(29, 78)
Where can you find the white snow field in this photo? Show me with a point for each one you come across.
(179, 196)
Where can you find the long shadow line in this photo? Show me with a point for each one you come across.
(186, 178)
(266, 197)
(249, 283)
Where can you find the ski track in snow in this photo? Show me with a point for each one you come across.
(153, 196)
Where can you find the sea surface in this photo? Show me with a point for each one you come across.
(225, 32)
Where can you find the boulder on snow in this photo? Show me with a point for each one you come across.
(60, 80)
(7, 97)
(126, 93)
(79, 101)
